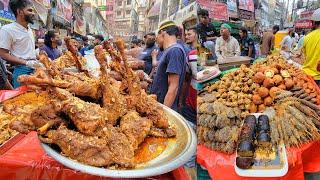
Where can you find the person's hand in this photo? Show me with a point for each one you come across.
(154, 53)
(34, 64)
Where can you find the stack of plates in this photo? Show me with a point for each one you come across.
(208, 74)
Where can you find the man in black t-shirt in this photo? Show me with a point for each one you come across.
(246, 44)
(206, 30)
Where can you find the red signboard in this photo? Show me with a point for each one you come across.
(303, 24)
(246, 5)
(217, 11)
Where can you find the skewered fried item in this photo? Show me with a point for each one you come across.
(112, 148)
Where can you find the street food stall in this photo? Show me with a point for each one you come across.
(259, 120)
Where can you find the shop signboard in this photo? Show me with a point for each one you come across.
(303, 24)
(5, 12)
(247, 5)
(41, 10)
(45, 3)
(217, 11)
(243, 14)
(232, 8)
(64, 9)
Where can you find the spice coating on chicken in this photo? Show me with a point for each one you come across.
(92, 150)
(136, 128)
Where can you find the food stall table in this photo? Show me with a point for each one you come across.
(24, 158)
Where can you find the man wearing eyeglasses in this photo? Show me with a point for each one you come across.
(206, 30)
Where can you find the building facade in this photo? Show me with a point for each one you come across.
(126, 19)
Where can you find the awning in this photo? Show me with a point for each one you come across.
(154, 11)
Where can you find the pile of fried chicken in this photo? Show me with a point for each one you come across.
(99, 122)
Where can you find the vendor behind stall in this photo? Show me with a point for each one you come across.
(207, 31)
(226, 45)
(311, 46)
(246, 44)
(17, 44)
(51, 42)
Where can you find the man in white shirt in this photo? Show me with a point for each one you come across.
(17, 44)
(226, 45)
(287, 42)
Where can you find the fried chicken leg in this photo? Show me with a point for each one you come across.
(87, 117)
(113, 148)
(136, 128)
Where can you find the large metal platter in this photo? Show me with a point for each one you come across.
(177, 153)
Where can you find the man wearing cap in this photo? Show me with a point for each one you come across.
(311, 46)
(168, 81)
(226, 45)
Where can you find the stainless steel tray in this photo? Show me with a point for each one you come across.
(177, 153)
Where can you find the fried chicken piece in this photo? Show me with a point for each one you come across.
(113, 148)
(87, 117)
(138, 98)
(165, 133)
(136, 128)
(111, 98)
(45, 117)
(77, 83)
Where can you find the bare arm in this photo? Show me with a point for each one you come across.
(250, 51)
(173, 81)
(4, 54)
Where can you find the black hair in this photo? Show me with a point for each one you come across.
(244, 30)
(100, 37)
(18, 4)
(203, 12)
(47, 38)
(193, 28)
(84, 38)
(317, 23)
(149, 34)
(276, 27)
(136, 41)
